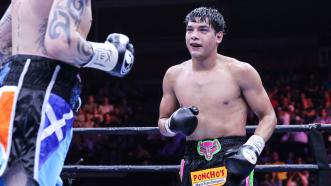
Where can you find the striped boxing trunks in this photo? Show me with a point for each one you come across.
(38, 97)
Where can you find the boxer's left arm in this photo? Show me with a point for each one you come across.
(241, 161)
(258, 101)
(5, 36)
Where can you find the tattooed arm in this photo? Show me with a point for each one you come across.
(5, 36)
(62, 39)
(63, 42)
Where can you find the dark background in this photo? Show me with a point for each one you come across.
(267, 34)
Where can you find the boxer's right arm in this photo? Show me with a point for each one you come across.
(172, 121)
(169, 101)
(62, 39)
(5, 36)
(64, 42)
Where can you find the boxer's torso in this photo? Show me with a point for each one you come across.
(216, 93)
(30, 20)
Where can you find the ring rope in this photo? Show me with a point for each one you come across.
(72, 171)
(155, 130)
(82, 170)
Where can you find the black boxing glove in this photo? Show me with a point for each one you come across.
(183, 121)
(115, 56)
(240, 161)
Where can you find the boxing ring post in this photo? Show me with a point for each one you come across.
(316, 141)
(320, 156)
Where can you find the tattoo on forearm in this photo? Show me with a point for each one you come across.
(41, 39)
(58, 27)
(76, 9)
(84, 49)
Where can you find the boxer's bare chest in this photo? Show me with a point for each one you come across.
(212, 89)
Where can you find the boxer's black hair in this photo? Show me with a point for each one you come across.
(205, 14)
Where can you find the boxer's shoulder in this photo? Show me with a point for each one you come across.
(238, 68)
(233, 64)
(176, 70)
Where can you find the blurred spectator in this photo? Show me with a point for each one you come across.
(110, 120)
(283, 115)
(290, 158)
(89, 123)
(298, 178)
(106, 107)
(269, 180)
(279, 177)
(323, 117)
(97, 117)
(80, 119)
(90, 104)
(107, 120)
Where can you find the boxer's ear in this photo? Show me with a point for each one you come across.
(219, 37)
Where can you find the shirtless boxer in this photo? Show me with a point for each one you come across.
(207, 99)
(47, 41)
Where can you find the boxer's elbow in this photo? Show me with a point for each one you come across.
(273, 118)
(55, 48)
(269, 116)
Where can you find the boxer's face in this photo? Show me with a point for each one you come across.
(201, 39)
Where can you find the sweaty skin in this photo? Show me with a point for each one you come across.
(56, 29)
(223, 88)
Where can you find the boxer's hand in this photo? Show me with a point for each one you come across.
(183, 121)
(115, 56)
(240, 161)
